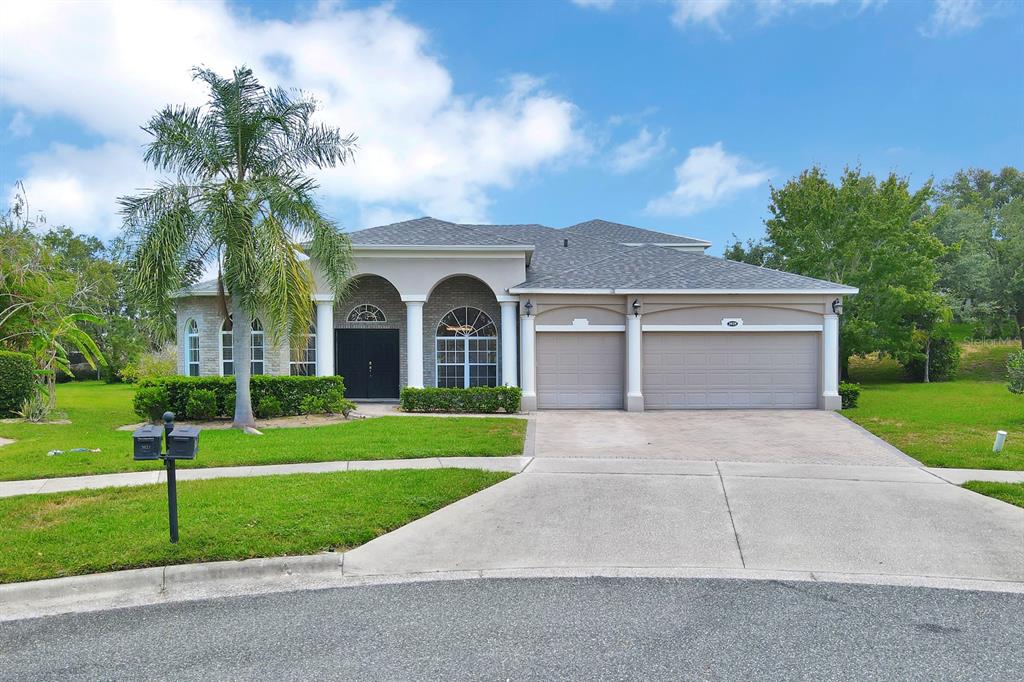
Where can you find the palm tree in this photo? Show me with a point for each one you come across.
(239, 200)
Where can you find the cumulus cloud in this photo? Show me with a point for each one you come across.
(686, 12)
(19, 125)
(951, 17)
(638, 151)
(595, 4)
(707, 177)
(421, 146)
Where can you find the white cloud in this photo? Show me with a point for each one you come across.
(686, 12)
(420, 145)
(595, 4)
(953, 16)
(19, 125)
(707, 177)
(639, 151)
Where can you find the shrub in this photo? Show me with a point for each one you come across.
(944, 361)
(335, 403)
(157, 363)
(287, 390)
(151, 402)
(17, 381)
(202, 404)
(1015, 373)
(268, 407)
(479, 399)
(36, 407)
(850, 394)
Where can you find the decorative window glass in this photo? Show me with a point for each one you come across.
(466, 347)
(256, 348)
(192, 348)
(303, 361)
(367, 313)
(227, 349)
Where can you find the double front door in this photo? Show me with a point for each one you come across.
(368, 361)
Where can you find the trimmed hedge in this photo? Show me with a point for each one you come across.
(479, 399)
(17, 381)
(849, 393)
(287, 391)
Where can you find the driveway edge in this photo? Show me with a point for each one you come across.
(191, 582)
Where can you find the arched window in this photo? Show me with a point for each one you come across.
(303, 361)
(227, 349)
(467, 349)
(367, 313)
(256, 347)
(192, 348)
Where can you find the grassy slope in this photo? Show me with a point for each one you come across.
(948, 424)
(1012, 493)
(45, 536)
(97, 409)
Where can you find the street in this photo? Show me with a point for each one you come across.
(525, 629)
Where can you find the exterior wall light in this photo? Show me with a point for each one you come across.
(528, 308)
(837, 306)
(636, 307)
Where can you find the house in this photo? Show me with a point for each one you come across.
(598, 315)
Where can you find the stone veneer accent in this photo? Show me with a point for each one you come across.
(381, 293)
(453, 293)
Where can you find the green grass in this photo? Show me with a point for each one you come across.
(97, 409)
(945, 424)
(47, 536)
(1012, 493)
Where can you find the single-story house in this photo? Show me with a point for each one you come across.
(598, 315)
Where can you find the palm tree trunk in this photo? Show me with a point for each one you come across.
(241, 331)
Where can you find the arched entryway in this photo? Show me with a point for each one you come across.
(370, 339)
(447, 354)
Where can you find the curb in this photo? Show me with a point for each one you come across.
(191, 582)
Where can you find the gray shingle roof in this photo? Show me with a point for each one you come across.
(627, 234)
(428, 231)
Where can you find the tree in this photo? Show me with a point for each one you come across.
(868, 234)
(239, 201)
(755, 252)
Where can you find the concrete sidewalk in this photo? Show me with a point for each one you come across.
(55, 485)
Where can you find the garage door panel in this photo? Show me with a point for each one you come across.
(730, 370)
(580, 370)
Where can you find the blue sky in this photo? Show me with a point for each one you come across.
(669, 115)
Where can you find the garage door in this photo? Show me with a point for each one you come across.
(730, 370)
(580, 370)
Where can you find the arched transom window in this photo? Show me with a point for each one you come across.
(192, 348)
(367, 312)
(227, 349)
(467, 349)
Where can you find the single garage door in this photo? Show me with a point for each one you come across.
(730, 370)
(580, 370)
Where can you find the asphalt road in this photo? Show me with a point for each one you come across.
(539, 629)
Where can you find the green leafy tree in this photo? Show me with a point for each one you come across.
(874, 235)
(754, 251)
(239, 201)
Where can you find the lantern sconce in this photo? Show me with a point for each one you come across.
(837, 306)
(636, 307)
(528, 308)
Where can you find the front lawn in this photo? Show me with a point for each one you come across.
(48, 536)
(945, 424)
(96, 410)
(1012, 493)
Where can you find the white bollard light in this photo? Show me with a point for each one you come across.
(1000, 441)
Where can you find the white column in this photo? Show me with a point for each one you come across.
(528, 365)
(325, 338)
(634, 364)
(830, 363)
(414, 342)
(509, 366)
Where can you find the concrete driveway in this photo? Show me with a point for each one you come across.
(725, 491)
(791, 436)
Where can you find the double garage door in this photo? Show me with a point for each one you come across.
(682, 370)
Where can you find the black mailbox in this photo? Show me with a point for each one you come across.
(183, 442)
(148, 441)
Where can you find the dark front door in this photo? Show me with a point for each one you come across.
(368, 361)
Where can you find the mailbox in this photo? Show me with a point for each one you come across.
(148, 442)
(183, 442)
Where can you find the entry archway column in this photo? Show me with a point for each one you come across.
(509, 347)
(414, 339)
(324, 336)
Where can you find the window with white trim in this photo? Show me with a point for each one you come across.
(367, 312)
(303, 360)
(466, 345)
(227, 348)
(256, 348)
(192, 348)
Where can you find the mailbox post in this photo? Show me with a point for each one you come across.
(180, 443)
